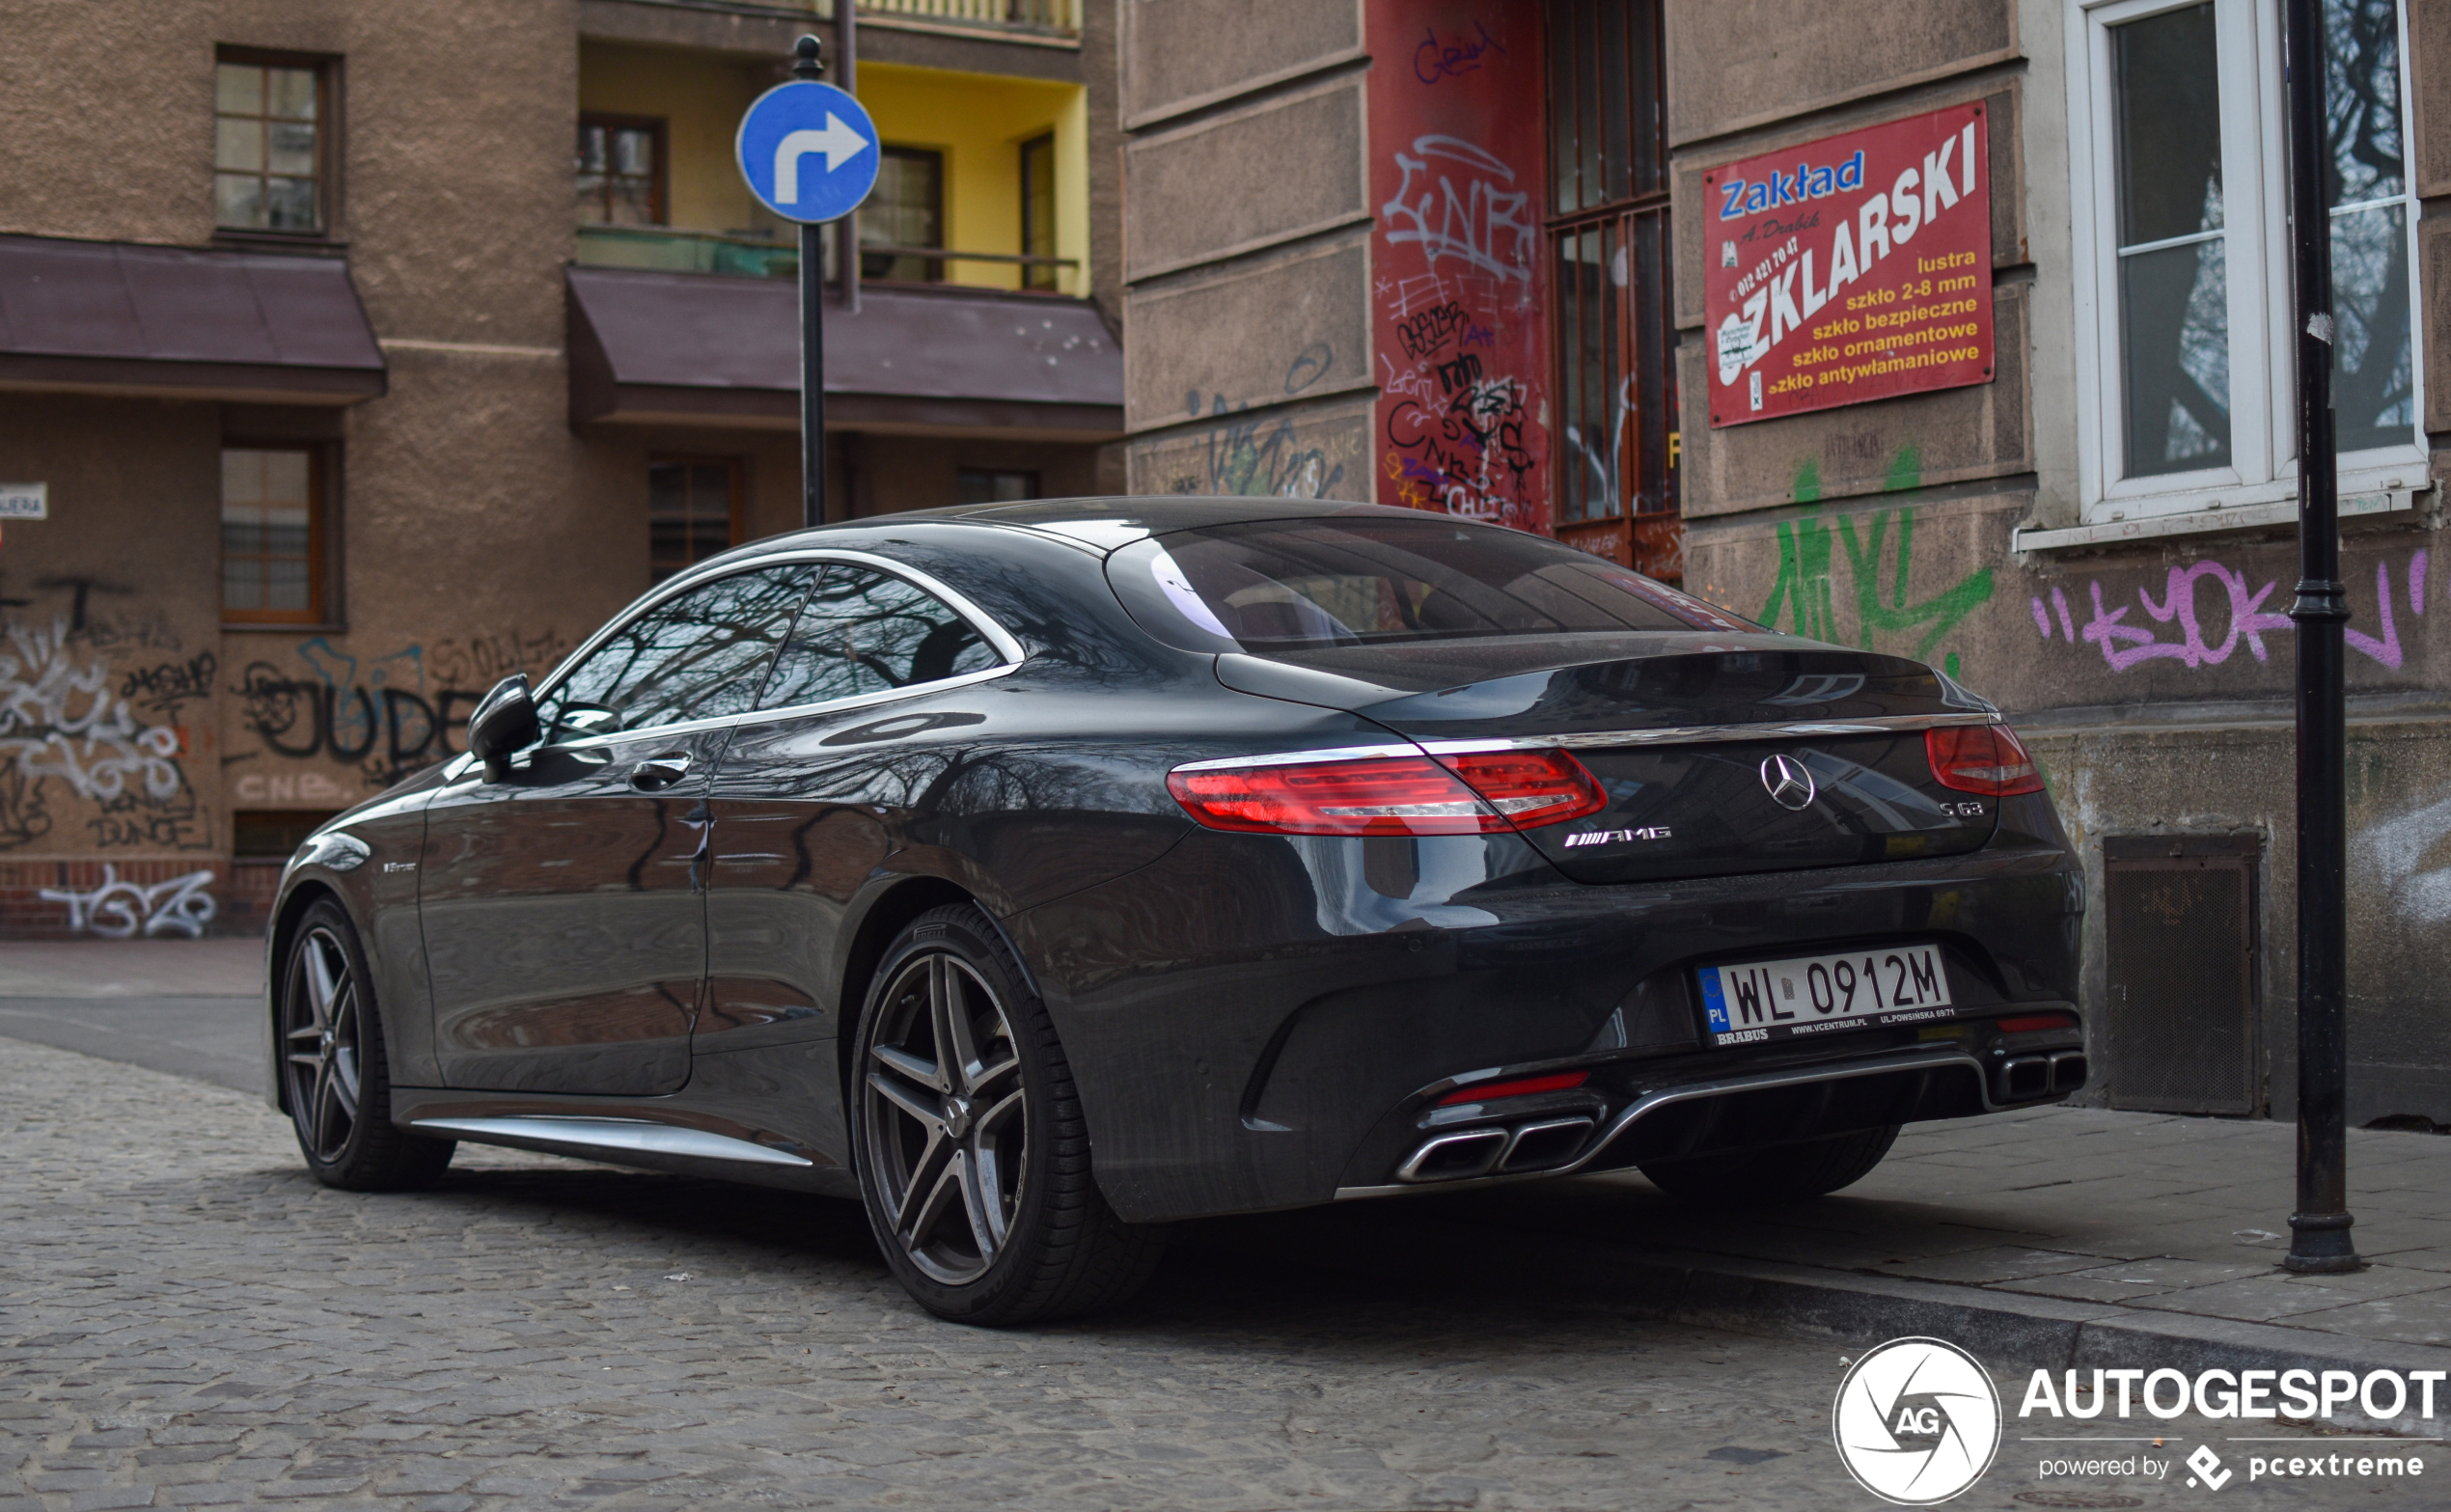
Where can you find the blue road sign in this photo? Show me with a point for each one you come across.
(807, 151)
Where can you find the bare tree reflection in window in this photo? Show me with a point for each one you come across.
(2374, 391)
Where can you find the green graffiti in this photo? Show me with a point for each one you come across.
(1906, 470)
(1805, 591)
(1807, 487)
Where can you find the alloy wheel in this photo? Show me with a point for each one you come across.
(321, 1039)
(947, 1117)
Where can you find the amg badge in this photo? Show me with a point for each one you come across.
(1654, 832)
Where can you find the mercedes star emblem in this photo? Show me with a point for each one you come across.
(1790, 786)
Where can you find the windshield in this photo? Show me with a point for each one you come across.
(1277, 586)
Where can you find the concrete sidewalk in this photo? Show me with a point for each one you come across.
(190, 1008)
(132, 969)
(2060, 1237)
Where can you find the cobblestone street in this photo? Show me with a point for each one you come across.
(189, 1320)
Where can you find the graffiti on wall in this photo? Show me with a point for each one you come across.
(1807, 592)
(119, 910)
(384, 716)
(2406, 854)
(2204, 597)
(93, 739)
(1250, 454)
(1460, 347)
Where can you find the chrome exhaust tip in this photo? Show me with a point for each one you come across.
(1453, 1157)
(2068, 1071)
(1478, 1152)
(1537, 1146)
(2024, 1078)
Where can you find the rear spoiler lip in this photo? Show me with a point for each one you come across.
(1605, 740)
(1710, 734)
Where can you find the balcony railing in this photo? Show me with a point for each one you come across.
(665, 250)
(1048, 17)
(1052, 20)
(668, 250)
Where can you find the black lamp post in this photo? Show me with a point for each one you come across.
(2319, 1230)
(808, 63)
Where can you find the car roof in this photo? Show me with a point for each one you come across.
(1097, 525)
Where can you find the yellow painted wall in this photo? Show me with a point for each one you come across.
(700, 98)
(978, 122)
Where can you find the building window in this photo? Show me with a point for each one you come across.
(1039, 210)
(1609, 241)
(977, 485)
(621, 171)
(273, 133)
(905, 210)
(2181, 210)
(693, 510)
(272, 536)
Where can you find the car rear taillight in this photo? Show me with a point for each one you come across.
(1982, 758)
(1531, 788)
(1525, 1087)
(1478, 794)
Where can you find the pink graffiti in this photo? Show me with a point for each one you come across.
(2124, 644)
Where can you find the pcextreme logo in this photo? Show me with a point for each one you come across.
(1917, 1420)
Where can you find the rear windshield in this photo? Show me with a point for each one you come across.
(1277, 585)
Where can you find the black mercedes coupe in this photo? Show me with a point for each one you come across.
(1041, 873)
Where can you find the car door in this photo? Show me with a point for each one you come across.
(563, 906)
(810, 795)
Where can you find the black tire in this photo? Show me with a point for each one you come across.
(974, 1163)
(1777, 1173)
(336, 1076)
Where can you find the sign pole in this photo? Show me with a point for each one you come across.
(808, 153)
(808, 64)
(2319, 1230)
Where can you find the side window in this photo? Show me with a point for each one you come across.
(870, 632)
(702, 655)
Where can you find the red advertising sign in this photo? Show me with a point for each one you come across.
(1857, 267)
(1460, 346)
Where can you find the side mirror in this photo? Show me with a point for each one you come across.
(501, 724)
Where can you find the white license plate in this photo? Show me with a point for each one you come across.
(1825, 994)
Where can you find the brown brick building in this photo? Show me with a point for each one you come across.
(355, 354)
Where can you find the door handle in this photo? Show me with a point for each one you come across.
(657, 772)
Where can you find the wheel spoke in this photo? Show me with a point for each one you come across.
(323, 1101)
(929, 1115)
(344, 1080)
(994, 1071)
(942, 1193)
(320, 982)
(991, 1188)
(307, 1058)
(978, 1200)
(927, 1174)
(947, 996)
(994, 1118)
(909, 1065)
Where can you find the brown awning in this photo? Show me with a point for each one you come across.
(115, 317)
(710, 349)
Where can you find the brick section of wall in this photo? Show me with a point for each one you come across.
(133, 899)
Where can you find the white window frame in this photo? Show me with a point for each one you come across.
(2263, 465)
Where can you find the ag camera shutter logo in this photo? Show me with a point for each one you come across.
(1917, 1420)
